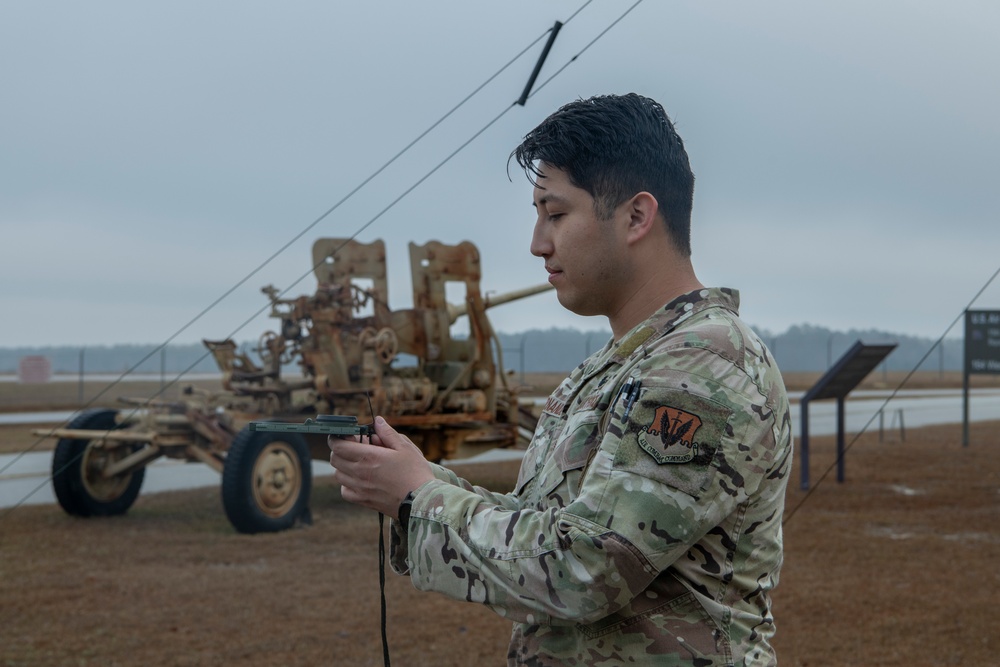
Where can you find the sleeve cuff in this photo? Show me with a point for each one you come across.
(399, 539)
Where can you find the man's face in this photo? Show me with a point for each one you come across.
(582, 253)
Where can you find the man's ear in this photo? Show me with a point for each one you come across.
(642, 210)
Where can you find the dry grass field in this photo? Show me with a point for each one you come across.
(896, 566)
(67, 394)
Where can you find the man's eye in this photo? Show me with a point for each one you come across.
(555, 216)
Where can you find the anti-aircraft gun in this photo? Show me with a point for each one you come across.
(357, 357)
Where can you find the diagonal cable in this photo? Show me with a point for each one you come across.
(281, 294)
(588, 45)
(313, 224)
(891, 396)
(282, 249)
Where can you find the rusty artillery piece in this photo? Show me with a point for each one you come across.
(356, 355)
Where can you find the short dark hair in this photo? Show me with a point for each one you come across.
(614, 146)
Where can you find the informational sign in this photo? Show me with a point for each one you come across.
(837, 383)
(982, 354)
(34, 369)
(982, 341)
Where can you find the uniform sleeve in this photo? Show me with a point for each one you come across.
(449, 476)
(656, 483)
(398, 536)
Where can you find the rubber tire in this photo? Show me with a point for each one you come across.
(242, 492)
(67, 471)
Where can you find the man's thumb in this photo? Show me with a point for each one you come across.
(387, 434)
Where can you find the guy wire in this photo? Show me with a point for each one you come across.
(581, 51)
(278, 252)
(283, 248)
(260, 310)
(892, 395)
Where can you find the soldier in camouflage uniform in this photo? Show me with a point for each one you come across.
(645, 526)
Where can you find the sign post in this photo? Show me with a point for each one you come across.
(982, 354)
(837, 383)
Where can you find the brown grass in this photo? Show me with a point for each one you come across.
(16, 397)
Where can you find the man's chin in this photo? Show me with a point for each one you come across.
(576, 304)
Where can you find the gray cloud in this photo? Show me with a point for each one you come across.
(154, 155)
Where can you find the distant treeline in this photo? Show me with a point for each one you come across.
(801, 348)
(145, 359)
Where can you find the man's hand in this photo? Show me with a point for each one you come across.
(379, 474)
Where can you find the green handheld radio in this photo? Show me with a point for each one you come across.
(324, 424)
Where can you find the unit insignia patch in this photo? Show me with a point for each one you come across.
(670, 436)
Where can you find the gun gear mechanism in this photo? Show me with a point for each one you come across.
(340, 353)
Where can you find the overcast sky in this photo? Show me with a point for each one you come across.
(153, 154)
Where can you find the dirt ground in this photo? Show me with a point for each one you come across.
(896, 566)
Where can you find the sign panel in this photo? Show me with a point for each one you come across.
(34, 369)
(837, 383)
(849, 371)
(982, 341)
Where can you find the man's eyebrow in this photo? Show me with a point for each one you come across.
(546, 198)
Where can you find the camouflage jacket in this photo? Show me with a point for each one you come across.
(652, 537)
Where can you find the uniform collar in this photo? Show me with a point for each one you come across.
(661, 322)
(671, 315)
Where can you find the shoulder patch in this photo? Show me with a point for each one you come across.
(670, 435)
(673, 436)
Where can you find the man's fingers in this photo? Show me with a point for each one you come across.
(390, 437)
(355, 490)
(379, 474)
(346, 475)
(386, 434)
(350, 495)
(348, 450)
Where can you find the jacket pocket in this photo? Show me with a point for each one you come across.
(559, 480)
(680, 625)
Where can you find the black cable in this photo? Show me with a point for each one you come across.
(280, 295)
(298, 236)
(573, 15)
(381, 560)
(381, 585)
(278, 252)
(589, 44)
(891, 396)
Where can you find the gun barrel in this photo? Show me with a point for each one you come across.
(491, 300)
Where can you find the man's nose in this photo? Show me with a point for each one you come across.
(541, 245)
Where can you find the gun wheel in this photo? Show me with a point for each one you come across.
(266, 481)
(77, 471)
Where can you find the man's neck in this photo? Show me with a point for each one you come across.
(657, 288)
